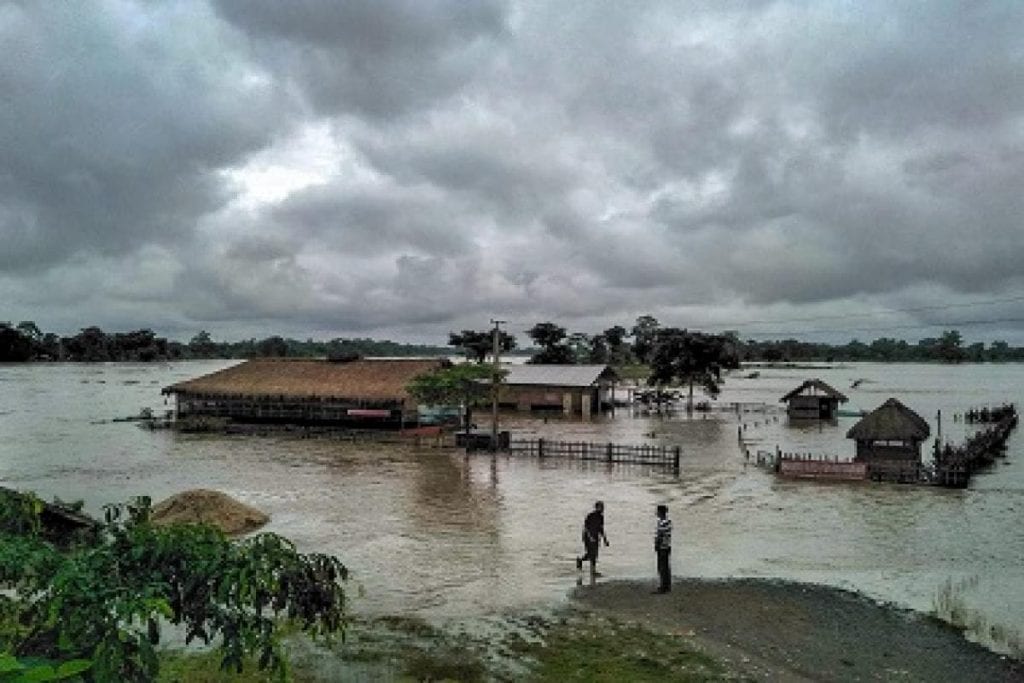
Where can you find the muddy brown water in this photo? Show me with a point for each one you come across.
(438, 534)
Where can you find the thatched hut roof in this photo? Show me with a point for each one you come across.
(815, 385)
(202, 506)
(370, 378)
(891, 420)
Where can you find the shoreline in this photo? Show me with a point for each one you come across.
(773, 629)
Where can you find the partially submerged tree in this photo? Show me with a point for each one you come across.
(467, 385)
(644, 337)
(476, 345)
(691, 358)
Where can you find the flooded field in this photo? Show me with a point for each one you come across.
(437, 533)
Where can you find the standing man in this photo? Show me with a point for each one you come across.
(593, 532)
(663, 549)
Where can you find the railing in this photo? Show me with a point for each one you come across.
(633, 454)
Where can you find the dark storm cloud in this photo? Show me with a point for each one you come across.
(587, 162)
(374, 57)
(113, 125)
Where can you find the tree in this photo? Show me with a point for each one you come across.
(644, 336)
(950, 347)
(30, 330)
(476, 345)
(465, 384)
(691, 358)
(581, 346)
(618, 350)
(551, 338)
(91, 345)
(272, 347)
(999, 351)
(202, 345)
(104, 595)
(14, 346)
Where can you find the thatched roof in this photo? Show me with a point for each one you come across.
(370, 378)
(891, 420)
(202, 506)
(815, 385)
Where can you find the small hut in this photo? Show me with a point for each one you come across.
(891, 433)
(357, 392)
(813, 400)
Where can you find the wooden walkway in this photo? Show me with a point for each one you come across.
(630, 454)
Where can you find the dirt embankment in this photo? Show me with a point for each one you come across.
(209, 507)
(782, 631)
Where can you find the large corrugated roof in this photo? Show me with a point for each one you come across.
(891, 420)
(306, 378)
(555, 375)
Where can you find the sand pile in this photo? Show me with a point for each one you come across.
(209, 507)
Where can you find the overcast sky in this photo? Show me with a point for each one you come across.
(401, 168)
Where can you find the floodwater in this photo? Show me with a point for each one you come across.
(438, 534)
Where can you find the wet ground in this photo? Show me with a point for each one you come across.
(780, 631)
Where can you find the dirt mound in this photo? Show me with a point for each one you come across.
(209, 507)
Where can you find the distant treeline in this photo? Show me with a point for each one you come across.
(947, 348)
(617, 345)
(26, 342)
(639, 345)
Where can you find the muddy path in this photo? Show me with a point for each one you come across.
(783, 631)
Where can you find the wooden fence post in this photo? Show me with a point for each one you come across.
(675, 459)
(540, 448)
(610, 451)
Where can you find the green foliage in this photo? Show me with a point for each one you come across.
(466, 384)
(554, 348)
(476, 345)
(644, 332)
(107, 599)
(31, 670)
(691, 358)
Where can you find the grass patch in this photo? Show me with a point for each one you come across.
(204, 667)
(445, 666)
(606, 651)
(577, 646)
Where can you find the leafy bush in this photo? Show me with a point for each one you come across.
(106, 597)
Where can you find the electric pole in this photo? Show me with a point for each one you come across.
(494, 383)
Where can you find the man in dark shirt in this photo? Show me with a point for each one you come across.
(663, 549)
(593, 532)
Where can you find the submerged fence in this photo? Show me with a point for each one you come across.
(633, 454)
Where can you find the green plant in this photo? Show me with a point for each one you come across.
(106, 598)
(16, 670)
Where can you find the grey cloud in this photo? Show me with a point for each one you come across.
(369, 221)
(112, 136)
(587, 161)
(373, 57)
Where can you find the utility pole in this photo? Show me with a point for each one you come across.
(494, 383)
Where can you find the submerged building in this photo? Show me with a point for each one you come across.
(891, 433)
(362, 392)
(571, 389)
(813, 400)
